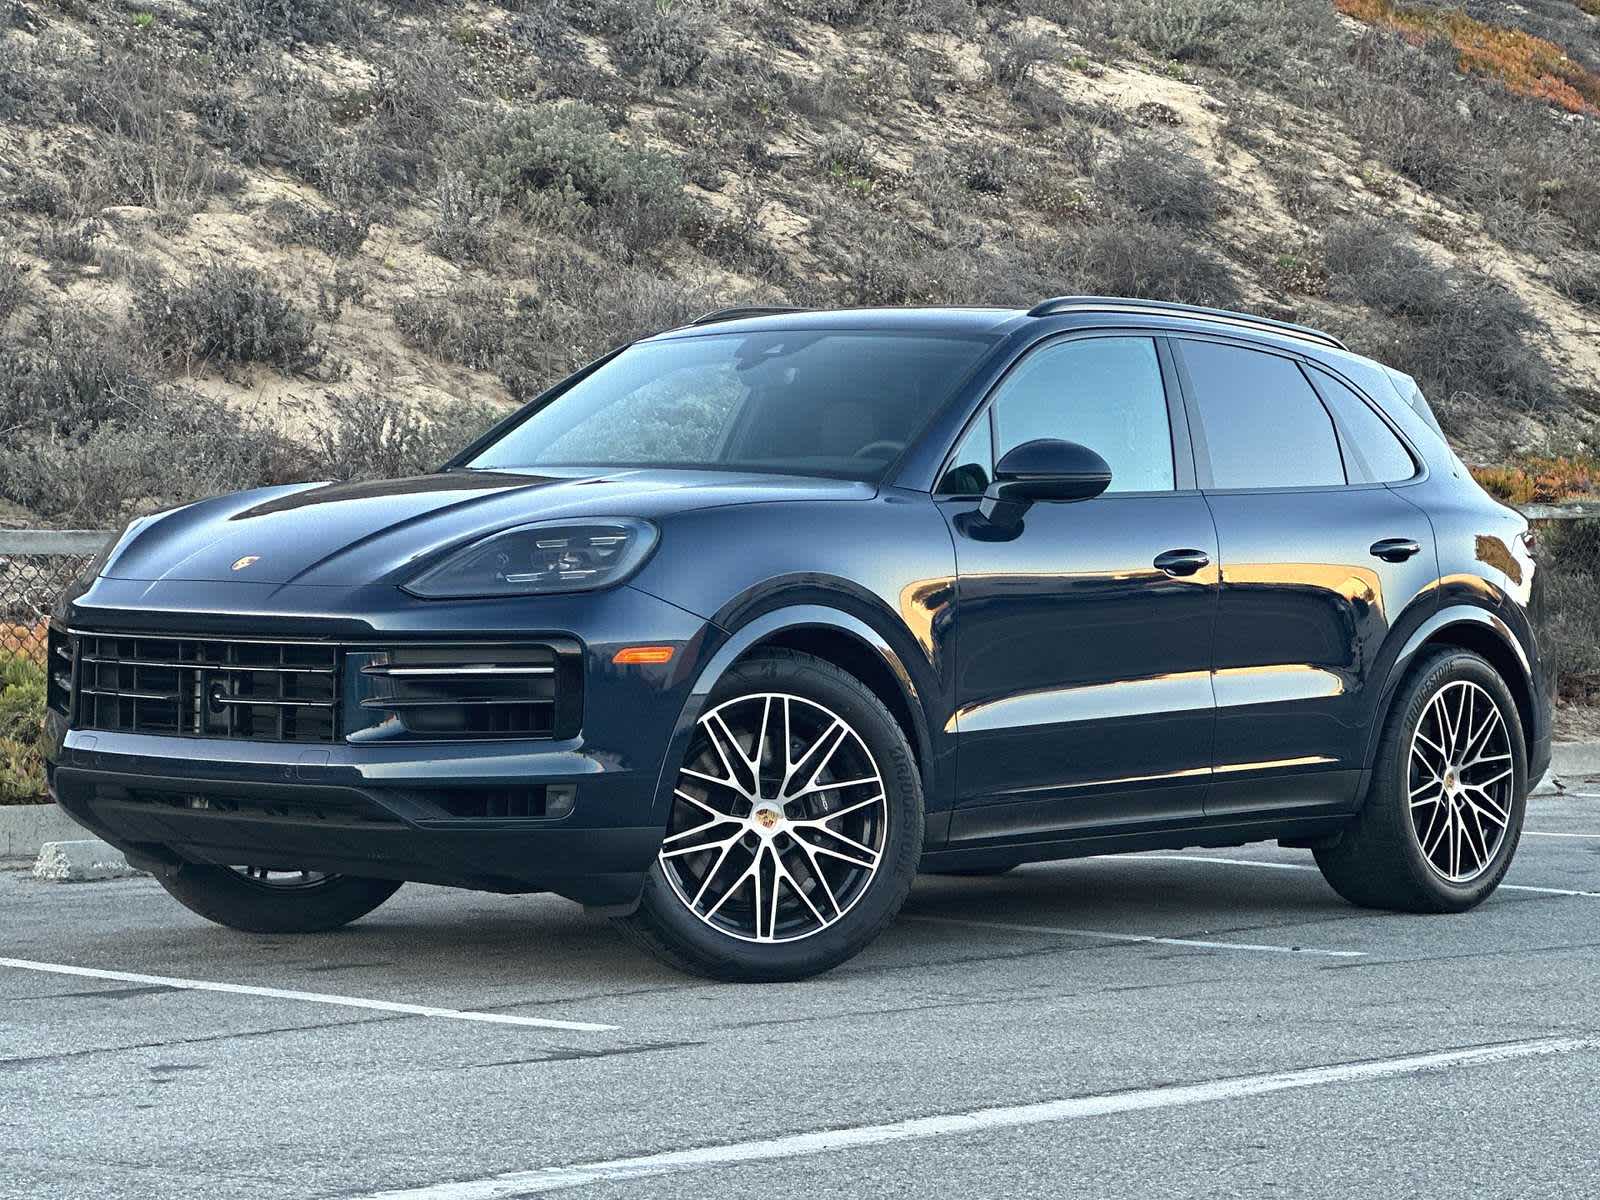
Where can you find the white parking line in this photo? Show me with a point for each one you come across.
(1550, 833)
(550, 1179)
(239, 989)
(1058, 931)
(1283, 866)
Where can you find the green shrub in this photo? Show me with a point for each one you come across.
(65, 376)
(1577, 277)
(184, 447)
(337, 234)
(566, 154)
(470, 324)
(225, 314)
(21, 729)
(463, 225)
(371, 436)
(667, 48)
(1129, 257)
(1012, 57)
(1161, 182)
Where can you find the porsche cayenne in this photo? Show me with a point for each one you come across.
(734, 631)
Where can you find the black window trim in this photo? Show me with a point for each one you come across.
(1185, 473)
(1202, 452)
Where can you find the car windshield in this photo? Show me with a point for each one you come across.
(803, 402)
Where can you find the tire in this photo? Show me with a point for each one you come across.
(230, 897)
(848, 852)
(1424, 806)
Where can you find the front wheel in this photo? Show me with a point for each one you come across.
(1449, 791)
(795, 831)
(256, 900)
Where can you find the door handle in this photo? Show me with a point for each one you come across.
(1182, 562)
(1395, 550)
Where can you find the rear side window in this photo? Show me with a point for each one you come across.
(1264, 426)
(1380, 451)
(1103, 393)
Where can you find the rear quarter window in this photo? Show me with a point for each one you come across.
(1376, 447)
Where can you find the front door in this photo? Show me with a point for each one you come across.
(1083, 682)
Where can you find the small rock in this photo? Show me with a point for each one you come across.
(81, 862)
(129, 214)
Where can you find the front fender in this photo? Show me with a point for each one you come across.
(753, 633)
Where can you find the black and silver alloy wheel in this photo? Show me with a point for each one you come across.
(1443, 814)
(779, 821)
(795, 827)
(1461, 781)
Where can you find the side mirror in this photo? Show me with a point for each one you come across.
(1045, 469)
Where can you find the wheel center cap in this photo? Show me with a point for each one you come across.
(767, 818)
(1450, 780)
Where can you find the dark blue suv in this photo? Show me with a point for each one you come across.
(734, 631)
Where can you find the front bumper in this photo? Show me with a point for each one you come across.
(370, 815)
(389, 809)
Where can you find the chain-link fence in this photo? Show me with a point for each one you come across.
(35, 567)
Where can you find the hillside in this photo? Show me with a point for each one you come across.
(250, 240)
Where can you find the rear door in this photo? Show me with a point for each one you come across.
(1083, 667)
(1318, 557)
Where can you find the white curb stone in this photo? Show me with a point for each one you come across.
(81, 862)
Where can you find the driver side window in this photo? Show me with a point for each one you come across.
(1103, 393)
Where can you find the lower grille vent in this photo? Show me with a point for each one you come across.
(289, 805)
(457, 692)
(490, 803)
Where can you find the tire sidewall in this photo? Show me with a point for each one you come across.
(1446, 670)
(817, 681)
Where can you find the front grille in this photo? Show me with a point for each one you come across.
(255, 691)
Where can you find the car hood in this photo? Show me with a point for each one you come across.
(345, 534)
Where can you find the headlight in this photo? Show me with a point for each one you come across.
(538, 559)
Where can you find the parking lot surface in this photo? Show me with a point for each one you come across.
(1213, 1022)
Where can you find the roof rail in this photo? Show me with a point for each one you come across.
(741, 311)
(1065, 304)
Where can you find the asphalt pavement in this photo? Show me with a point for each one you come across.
(1213, 1023)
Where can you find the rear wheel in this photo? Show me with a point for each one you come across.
(1449, 791)
(258, 900)
(795, 831)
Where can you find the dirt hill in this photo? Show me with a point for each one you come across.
(248, 240)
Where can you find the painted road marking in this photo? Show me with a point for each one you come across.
(239, 989)
(1058, 931)
(828, 1141)
(1551, 833)
(1283, 866)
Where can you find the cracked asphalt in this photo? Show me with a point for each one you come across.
(1144, 1006)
